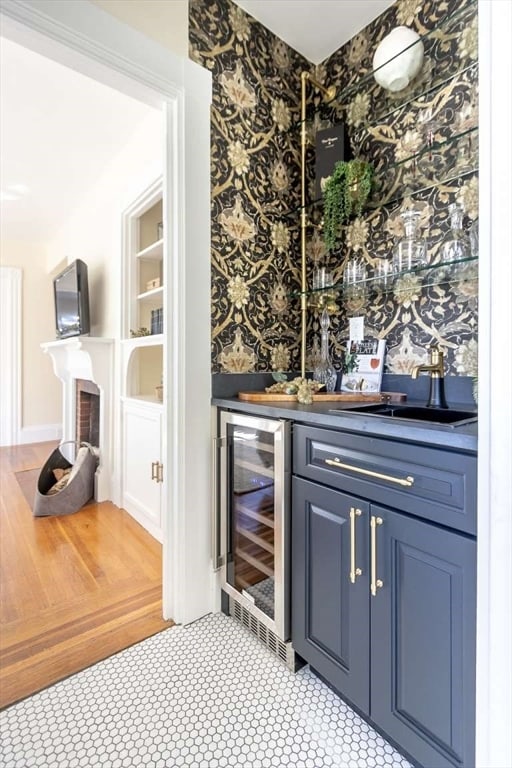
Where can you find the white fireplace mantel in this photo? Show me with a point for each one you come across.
(89, 358)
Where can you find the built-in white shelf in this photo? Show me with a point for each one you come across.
(153, 340)
(152, 294)
(153, 251)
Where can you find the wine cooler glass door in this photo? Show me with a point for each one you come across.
(256, 499)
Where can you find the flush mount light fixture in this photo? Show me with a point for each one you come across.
(398, 59)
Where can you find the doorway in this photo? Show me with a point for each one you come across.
(79, 36)
(10, 349)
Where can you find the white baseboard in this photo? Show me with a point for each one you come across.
(41, 433)
(135, 509)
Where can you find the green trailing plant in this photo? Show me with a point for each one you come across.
(345, 195)
(349, 362)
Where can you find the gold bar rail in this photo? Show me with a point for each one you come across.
(407, 482)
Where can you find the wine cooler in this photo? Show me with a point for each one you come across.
(251, 532)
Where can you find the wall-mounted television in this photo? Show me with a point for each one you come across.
(71, 293)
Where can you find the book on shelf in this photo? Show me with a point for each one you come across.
(367, 374)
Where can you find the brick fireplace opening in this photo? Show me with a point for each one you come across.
(87, 425)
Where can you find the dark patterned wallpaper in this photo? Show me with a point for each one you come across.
(256, 183)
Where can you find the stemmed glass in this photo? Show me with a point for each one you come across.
(411, 251)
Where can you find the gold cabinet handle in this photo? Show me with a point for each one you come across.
(154, 470)
(405, 481)
(354, 572)
(375, 583)
(159, 472)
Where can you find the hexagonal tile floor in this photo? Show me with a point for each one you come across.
(207, 695)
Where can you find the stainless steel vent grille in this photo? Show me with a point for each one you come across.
(283, 651)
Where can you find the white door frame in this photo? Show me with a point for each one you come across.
(494, 584)
(79, 35)
(10, 354)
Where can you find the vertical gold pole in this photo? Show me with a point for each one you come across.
(303, 218)
(328, 94)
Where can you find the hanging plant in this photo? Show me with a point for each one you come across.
(345, 195)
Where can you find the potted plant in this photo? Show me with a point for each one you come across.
(345, 194)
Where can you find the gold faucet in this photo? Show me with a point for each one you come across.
(435, 367)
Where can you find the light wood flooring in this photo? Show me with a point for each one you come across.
(73, 589)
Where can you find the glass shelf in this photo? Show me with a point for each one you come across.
(441, 163)
(433, 274)
(431, 150)
(444, 162)
(410, 95)
(415, 186)
(449, 25)
(435, 72)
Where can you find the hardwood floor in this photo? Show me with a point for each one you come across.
(74, 589)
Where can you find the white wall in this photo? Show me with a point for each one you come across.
(165, 21)
(40, 401)
(93, 232)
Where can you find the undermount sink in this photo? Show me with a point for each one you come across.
(447, 416)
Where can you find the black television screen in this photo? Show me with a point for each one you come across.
(71, 293)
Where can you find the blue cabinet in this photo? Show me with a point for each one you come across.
(422, 654)
(383, 600)
(330, 616)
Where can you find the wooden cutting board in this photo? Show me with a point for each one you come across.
(340, 397)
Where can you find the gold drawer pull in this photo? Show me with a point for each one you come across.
(354, 572)
(405, 481)
(375, 583)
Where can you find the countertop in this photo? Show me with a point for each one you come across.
(460, 438)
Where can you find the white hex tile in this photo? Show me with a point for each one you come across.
(208, 695)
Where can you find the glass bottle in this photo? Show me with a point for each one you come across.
(456, 245)
(473, 239)
(324, 371)
(383, 275)
(354, 277)
(322, 297)
(411, 251)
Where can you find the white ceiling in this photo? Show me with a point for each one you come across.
(58, 132)
(315, 28)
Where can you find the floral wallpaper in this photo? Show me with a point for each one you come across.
(256, 187)
(255, 182)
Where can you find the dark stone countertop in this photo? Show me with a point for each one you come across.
(459, 438)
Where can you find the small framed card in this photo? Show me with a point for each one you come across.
(367, 375)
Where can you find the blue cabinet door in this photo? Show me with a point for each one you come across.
(423, 639)
(330, 611)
